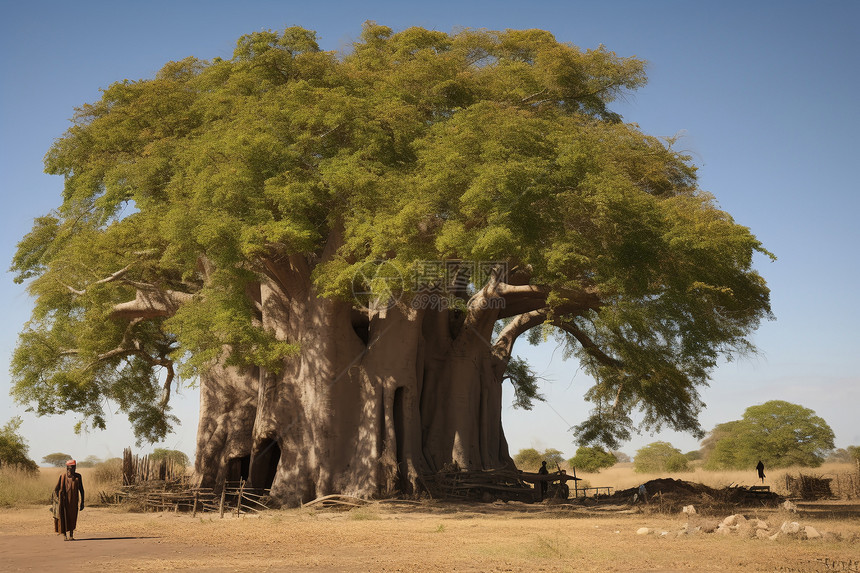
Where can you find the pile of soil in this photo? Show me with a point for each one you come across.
(671, 495)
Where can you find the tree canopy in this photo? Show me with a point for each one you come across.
(174, 456)
(13, 447)
(778, 433)
(592, 459)
(182, 190)
(57, 459)
(531, 459)
(659, 457)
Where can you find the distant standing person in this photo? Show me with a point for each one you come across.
(543, 484)
(760, 468)
(643, 493)
(70, 499)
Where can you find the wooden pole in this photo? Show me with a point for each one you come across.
(223, 494)
(239, 502)
(194, 507)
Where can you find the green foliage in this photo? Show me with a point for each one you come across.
(418, 145)
(592, 459)
(854, 451)
(659, 457)
(778, 433)
(525, 383)
(13, 447)
(58, 459)
(177, 457)
(530, 459)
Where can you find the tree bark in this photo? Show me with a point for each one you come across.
(373, 399)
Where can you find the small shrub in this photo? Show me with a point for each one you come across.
(108, 473)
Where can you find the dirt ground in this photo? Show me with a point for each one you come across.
(431, 537)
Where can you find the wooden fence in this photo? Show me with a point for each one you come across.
(136, 469)
(178, 495)
(165, 486)
(843, 485)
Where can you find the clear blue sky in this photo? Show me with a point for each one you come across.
(763, 93)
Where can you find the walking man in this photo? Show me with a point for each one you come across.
(70, 498)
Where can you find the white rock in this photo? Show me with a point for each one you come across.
(812, 533)
(788, 506)
(723, 530)
(730, 520)
(643, 531)
(761, 534)
(790, 528)
(761, 524)
(689, 510)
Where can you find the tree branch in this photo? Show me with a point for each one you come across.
(115, 276)
(522, 323)
(588, 344)
(151, 304)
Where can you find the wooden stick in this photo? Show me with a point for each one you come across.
(239, 501)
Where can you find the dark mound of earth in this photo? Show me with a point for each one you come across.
(670, 495)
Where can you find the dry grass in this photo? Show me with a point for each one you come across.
(23, 489)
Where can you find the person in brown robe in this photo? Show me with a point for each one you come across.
(70, 497)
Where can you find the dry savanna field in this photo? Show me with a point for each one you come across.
(433, 535)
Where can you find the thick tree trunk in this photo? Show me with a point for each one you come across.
(228, 406)
(371, 401)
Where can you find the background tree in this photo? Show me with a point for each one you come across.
(778, 433)
(621, 457)
(13, 447)
(592, 459)
(58, 459)
(89, 462)
(347, 247)
(530, 459)
(840, 456)
(179, 458)
(659, 457)
(694, 455)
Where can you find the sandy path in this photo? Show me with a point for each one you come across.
(463, 540)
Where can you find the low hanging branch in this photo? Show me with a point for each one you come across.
(152, 303)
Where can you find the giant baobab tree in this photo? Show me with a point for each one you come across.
(343, 249)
